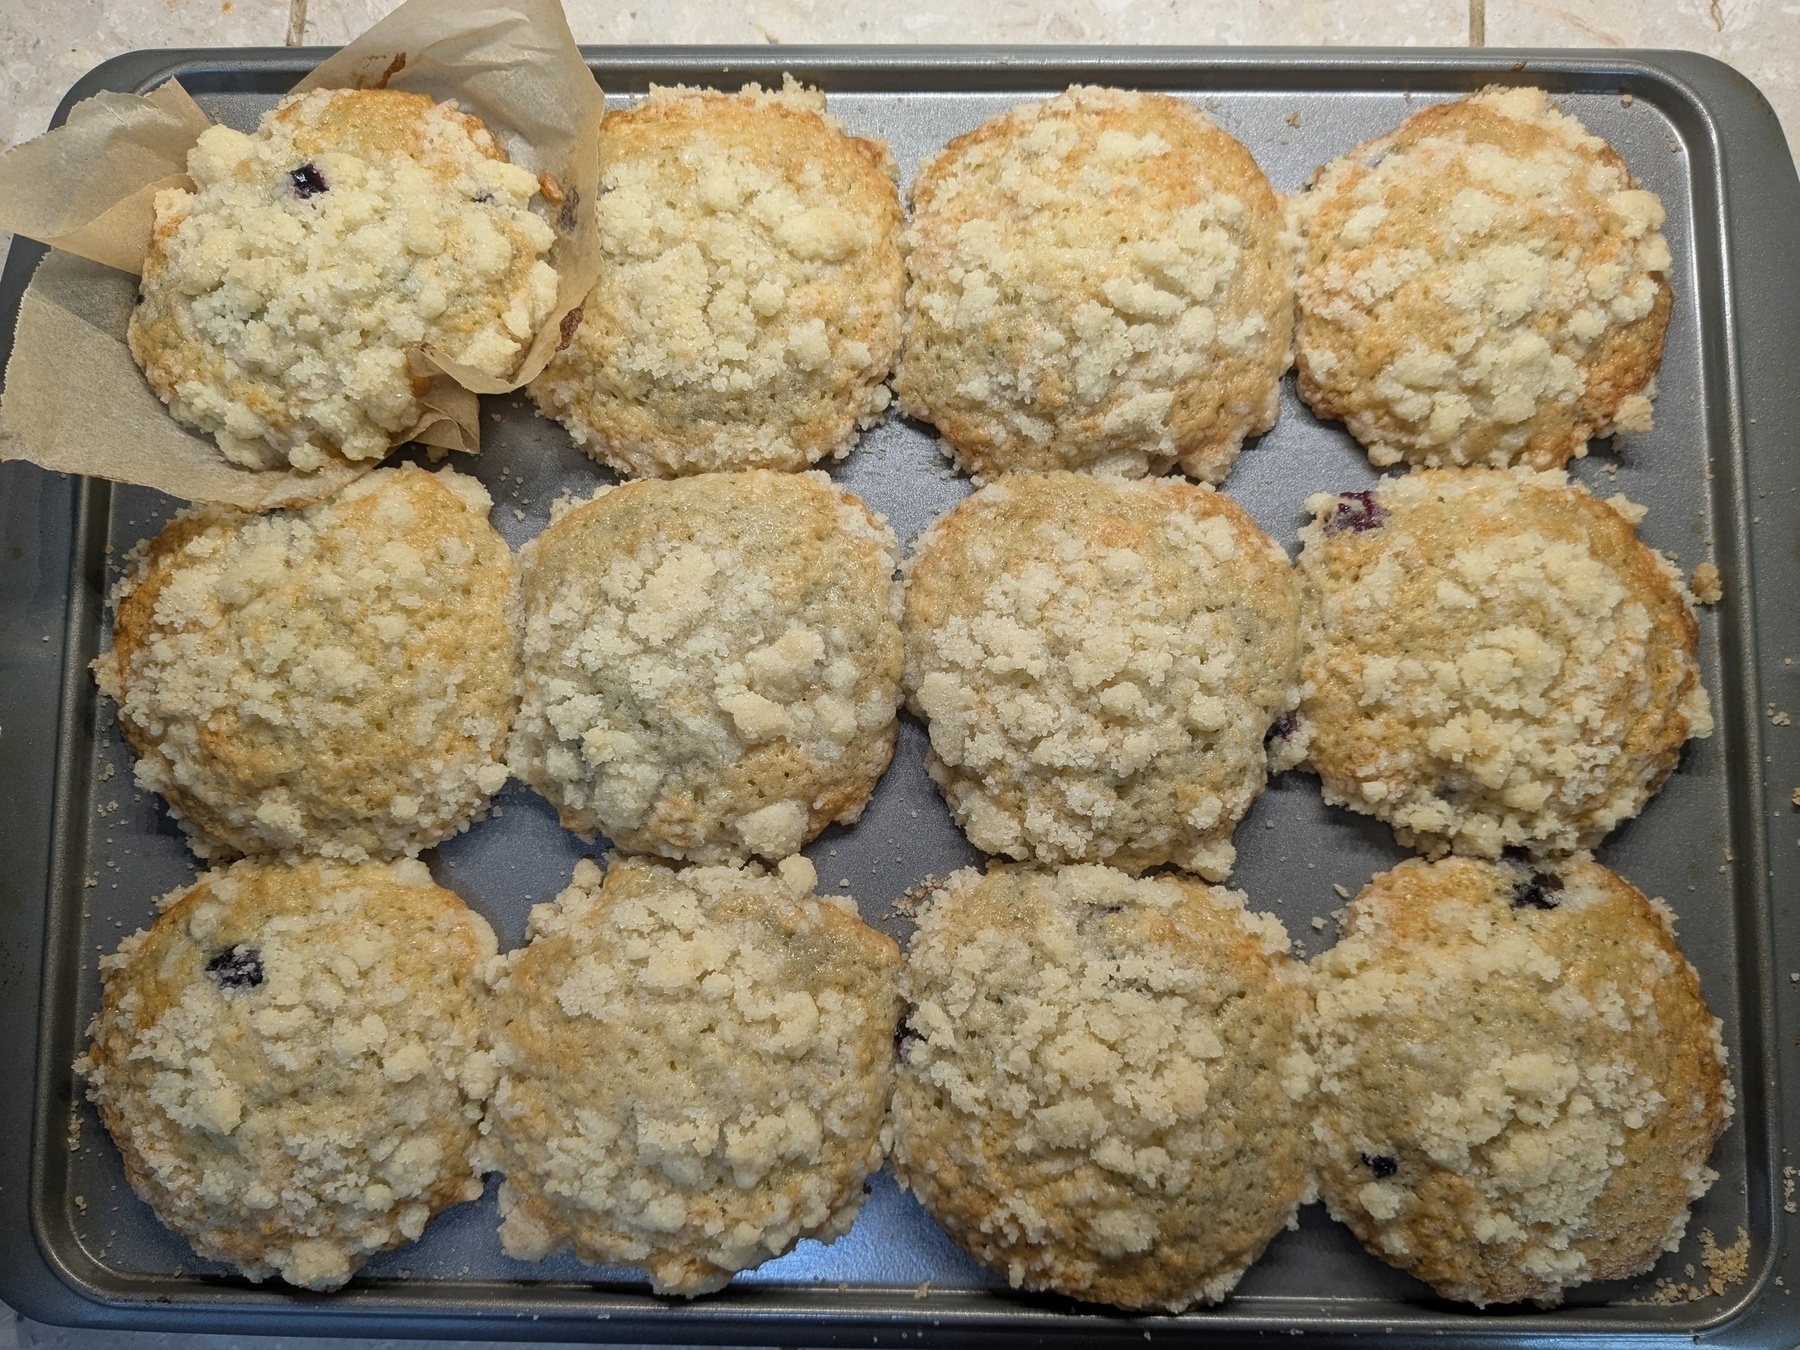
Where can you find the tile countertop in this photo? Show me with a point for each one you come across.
(48, 47)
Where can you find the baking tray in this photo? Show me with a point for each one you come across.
(86, 852)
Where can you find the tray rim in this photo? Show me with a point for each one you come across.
(1722, 106)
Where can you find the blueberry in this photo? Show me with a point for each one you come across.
(1280, 729)
(1381, 1165)
(483, 197)
(1356, 511)
(904, 1038)
(307, 181)
(1515, 854)
(1536, 891)
(238, 967)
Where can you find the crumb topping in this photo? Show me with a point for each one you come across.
(779, 1009)
(711, 664)
(1542, 1082)
(748, 311)
(337, 680)
(1707, 586)
(1484, 285)
(1497, 660)
(281, 296)
(1101, 1081)
(1101, 281)
(1099, 662)
(291, 1061)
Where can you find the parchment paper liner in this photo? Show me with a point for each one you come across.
(75, 400)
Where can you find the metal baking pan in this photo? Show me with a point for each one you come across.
(86, 852)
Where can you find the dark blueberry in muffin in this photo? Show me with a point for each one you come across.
(238, 967)
(904, 1037)
(1356, 511)
(307, 181)
(1538, 891)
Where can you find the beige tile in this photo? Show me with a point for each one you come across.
(1286, 22)
(1760, 37)
(331, 23)
(46, 47)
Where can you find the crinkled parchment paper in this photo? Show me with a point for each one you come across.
(75, 400)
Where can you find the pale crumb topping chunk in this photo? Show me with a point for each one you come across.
(1706, 584)
(282, 296)
(694, 1068)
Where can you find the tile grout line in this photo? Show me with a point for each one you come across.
(1477, 21)
(296, 29)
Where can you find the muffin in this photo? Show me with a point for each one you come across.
(337, 680)
(694, 1069)
(1099, 662)
(1519, 1080)
(1493, 659)
(291, 1062)
(1486, 284)
(281, 297)
(712, 663)
(1100, 282)
(748, 308)
(1102, 1088)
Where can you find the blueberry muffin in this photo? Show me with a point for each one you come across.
(1102, 1087)
(1493, 659)
(712, 663)
(1102, 282)
(282, 295)
(291, 1062)
(337, 680)
(1099, 662)
(1519, 1080)
(694, 1069)
(748, 308)
(1486, 284)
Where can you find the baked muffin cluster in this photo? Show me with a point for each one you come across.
(1103, 1076)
